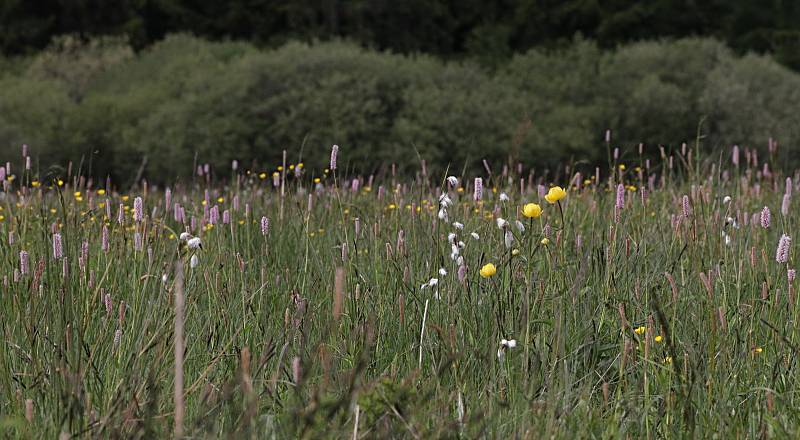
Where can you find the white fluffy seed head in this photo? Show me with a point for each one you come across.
(194, 242)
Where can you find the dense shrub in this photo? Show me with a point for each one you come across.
(186, 101)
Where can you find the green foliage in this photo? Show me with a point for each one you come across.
(642, 318)
(186, 101)
(491, 32)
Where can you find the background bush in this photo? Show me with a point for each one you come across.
(186, 101)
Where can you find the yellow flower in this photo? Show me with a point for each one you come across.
(52, 210)
(35, 184)
(555, 194)
(300, 165)
(460, 189)
(125, 198)
(392, 206)
(545, 241)
(291, 167)
(262, 176)
(203, 203)
(220, 199)
(316, 180)
(659, 338)
(668, 359)
(488, 270)
(77, 194)
(280, 167)
(622, 166)
(79, 199)
(60, 182)
(515, 252)
(101, 192)
(532, 210)
(759, 349)
(639, 330)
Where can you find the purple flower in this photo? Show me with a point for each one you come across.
(138, 215)
(226, 217)
(213, 215)
(176, 213)
(620, 202)
(782, 254)
(264, 225)
(85, 251)
(167, 198)
(791, 274)
(462, 273)
(23, 263)
(104, 240)
(109, 303)
(478, 194)
(137, 241)
(765, 217)
(735, 155)
(685, 206)
(58, 249)
(121, 214)
(334, 154)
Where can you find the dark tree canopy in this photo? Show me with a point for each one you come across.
(490, 31)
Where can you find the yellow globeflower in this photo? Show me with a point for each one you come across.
(555, 194)
(545, 241)
(488, 270)
(532, 210)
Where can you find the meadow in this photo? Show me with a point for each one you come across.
(652, 297)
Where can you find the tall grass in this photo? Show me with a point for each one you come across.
(359, 309)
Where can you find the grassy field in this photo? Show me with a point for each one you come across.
(657, 302)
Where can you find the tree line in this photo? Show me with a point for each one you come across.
(186, 100)
(488, 31)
